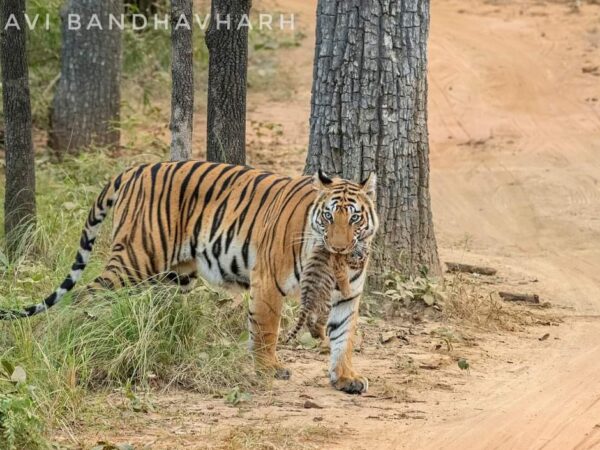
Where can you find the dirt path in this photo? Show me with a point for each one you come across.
(515, 134)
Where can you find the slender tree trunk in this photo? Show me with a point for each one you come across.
(369, 113)
(19, 200)
(85, 110)
(227, 42)
(182, 95)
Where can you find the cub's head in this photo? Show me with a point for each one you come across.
(344, 214)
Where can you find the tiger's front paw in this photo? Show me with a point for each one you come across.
(352, 385)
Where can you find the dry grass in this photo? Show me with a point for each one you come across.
(472, 303)
(278, 437)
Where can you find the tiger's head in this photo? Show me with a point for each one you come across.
(344, 216)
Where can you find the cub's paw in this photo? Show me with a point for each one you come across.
(324, 347)
(317, 331)
(355, 385)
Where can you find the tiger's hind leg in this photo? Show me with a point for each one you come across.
(115, 276)
(111, 279)
(264, 318)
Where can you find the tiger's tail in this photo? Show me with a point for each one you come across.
(96, 216)
(304, 313)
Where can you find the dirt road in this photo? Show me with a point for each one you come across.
(515, 138)
(515, 134)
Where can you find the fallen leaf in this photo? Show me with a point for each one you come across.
(429, 299)
(18, 375)
(307, 341)
(544, 337)
(235, 397)
(430, 366)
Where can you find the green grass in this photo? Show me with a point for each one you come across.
(144, 337)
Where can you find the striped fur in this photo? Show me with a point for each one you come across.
(324, 271)
(233, 226)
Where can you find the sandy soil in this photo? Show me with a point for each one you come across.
(515, 133)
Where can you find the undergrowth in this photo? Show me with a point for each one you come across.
(144, 337)
(468, 302)
(457, 297)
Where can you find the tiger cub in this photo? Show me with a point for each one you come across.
(324, 270)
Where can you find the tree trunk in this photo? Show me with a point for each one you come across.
(182, 95)
(19, 200)
(369, 113)
(85, 110)
(227, 42)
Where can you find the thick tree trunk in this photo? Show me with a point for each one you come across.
(227, 43)
(85, 110)
(369, 113)
(182, 95)
(19, 200)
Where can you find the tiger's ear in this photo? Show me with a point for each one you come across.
(321, 181)
(369, 186)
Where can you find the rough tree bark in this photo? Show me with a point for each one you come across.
(85, 109)
(369, 113)
(182, 95)
(227, 42)
(19, 200)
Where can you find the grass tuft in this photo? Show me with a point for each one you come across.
(468, 302)
(254, 438)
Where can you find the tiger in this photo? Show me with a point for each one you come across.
(323, 271)
(236, 227)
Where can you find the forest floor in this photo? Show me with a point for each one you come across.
(514, 117)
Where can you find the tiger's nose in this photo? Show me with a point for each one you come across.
(338, 249)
